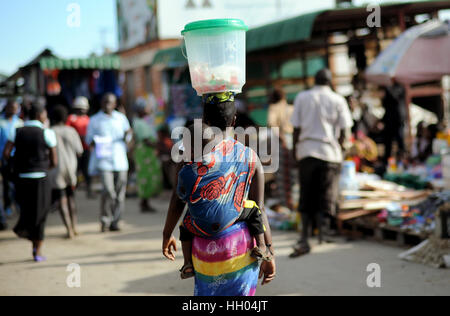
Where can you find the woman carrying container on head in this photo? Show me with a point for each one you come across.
(216, 190)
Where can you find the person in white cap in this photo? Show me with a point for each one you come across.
(80, 121)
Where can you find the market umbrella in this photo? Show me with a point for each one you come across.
(418, 55)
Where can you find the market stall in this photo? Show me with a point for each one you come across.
(179, 98)
(399, 63)
(60, 81)
(65, 79)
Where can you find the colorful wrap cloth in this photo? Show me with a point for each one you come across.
(216, 188)
(223, 265)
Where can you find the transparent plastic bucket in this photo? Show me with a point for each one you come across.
(216, 55)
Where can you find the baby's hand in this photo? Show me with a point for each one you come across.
(168, 245)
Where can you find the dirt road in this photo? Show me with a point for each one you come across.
(130, 262)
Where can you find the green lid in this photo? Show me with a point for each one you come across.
(232, 24)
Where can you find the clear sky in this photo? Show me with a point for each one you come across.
(29, 26)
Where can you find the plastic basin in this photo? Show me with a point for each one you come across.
(216, 55)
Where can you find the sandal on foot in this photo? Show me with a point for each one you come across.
(186, 275)
(39, 259)
(299, 251)
(148, 209)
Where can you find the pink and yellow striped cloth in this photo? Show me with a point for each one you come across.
(223, 265)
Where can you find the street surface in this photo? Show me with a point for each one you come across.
(131, 263)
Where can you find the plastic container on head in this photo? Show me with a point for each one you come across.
(216, 55)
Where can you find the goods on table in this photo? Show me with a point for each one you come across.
(408, 180)
(348, 179)
(446, 169)
(435, 172)
(399, 208)
(282, 218)
(409, 218)
(418, 218)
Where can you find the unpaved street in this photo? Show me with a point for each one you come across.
(131, 263)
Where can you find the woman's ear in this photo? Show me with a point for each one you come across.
(234, 120)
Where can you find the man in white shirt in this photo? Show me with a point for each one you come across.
(322, 122)
(107, 133)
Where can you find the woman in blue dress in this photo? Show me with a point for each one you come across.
(218, 191)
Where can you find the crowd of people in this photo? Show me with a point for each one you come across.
(45, 156)
(320, 131)
(48, 153)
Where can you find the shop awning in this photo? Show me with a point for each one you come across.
(289, 69)
(288, 31)
(170, 58)
(103, 62)
(301, 28)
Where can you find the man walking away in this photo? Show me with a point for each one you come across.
(322, 122)
(107, 134)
